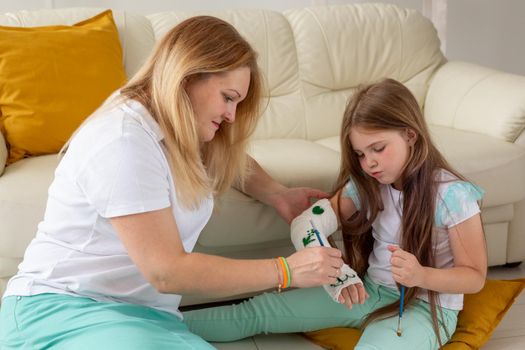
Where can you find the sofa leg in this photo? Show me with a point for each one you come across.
(513, 264)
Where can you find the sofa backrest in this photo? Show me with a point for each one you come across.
(312, 58)
(340, 47)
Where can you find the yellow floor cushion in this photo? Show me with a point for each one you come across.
(481, 313)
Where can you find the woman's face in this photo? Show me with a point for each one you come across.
(214, 99)
(383, 154)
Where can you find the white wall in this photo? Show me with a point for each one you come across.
(152, 6)
(487, 32)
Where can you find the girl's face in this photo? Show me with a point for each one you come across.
(214, 99)
(383, 154)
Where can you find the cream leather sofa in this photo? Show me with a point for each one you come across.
(313, 59)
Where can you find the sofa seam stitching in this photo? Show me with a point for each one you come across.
(402, 36)
(325, 42)
(309, 10)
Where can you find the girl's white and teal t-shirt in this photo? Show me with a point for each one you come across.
(457, 201)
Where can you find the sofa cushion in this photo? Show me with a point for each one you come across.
(23, 195)
(52, 78)
(8, 267)
(295, 162)
(23, 187)
(292, 162)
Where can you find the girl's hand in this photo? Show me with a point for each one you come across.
(312, 267)
(406, 269)
(353, 294)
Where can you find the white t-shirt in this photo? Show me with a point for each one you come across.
(115, 166)
(456, 202)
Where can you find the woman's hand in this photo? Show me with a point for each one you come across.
(353, 294)
(290, 202)
(406, 269)
(312, 267)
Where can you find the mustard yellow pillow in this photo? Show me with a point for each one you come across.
(481, 313)
(52, 78)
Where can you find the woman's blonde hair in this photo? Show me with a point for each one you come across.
(389, 105)
(193, 49)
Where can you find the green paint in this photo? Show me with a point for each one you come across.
(308, 238)
(317, 210)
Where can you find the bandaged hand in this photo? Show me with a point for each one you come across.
(310, 229)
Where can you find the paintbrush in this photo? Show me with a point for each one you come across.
(317, 234)
(401, 305)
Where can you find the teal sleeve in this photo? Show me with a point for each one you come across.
(350, 191)
(458, 202)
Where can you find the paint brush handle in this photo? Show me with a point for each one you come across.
(401, 300)
(401, 309)
(317, 234)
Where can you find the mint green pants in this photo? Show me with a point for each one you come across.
(303, 310)
(63, 322)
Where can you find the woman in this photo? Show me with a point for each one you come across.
(133, 191)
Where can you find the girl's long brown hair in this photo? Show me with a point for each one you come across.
(389, 105)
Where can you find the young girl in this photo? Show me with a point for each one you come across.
(134, 189)
(408, 221)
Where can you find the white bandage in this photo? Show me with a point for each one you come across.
(310, 229)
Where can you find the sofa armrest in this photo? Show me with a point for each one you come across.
(3, 153)
(469, 97)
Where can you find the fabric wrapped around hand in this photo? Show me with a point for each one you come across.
(310, 229)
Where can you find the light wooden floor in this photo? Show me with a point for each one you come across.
(509, 335)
